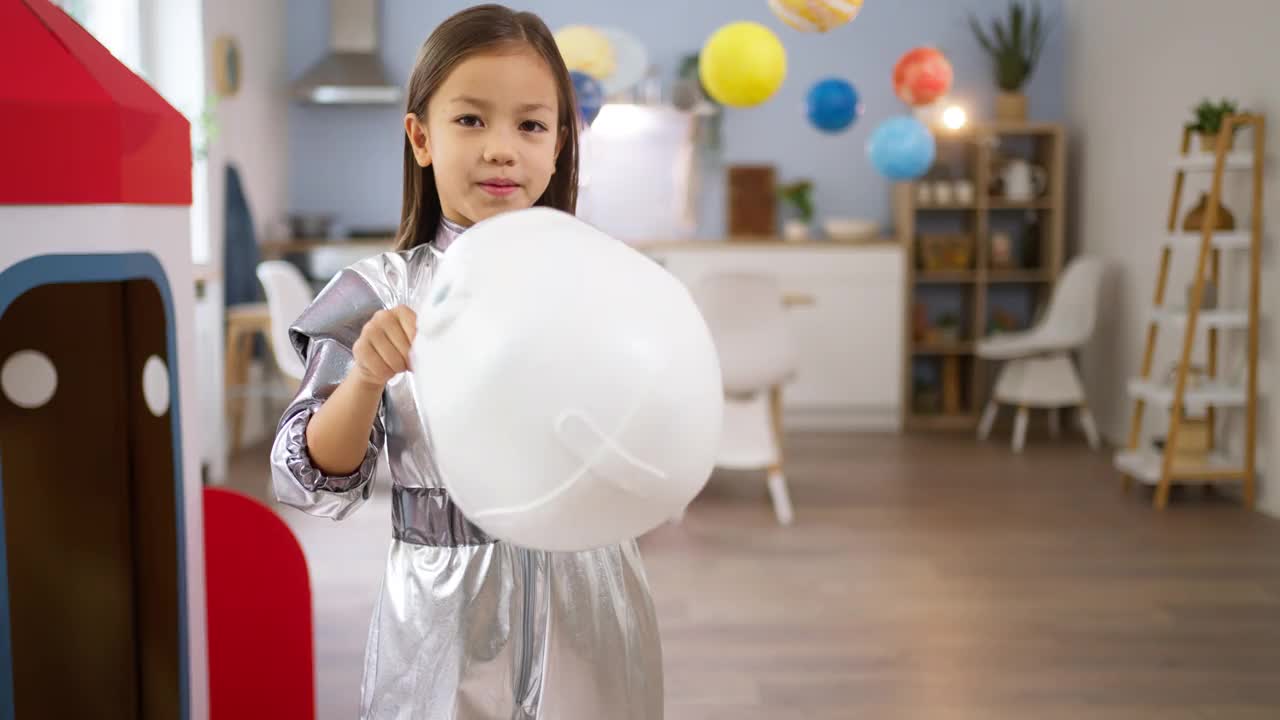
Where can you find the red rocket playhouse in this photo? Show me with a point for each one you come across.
(107, 538)
(102, 565)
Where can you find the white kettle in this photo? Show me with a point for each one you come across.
(1023, 181)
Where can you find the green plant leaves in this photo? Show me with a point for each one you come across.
(799, 195)
(1209, 115)
(1015, 47)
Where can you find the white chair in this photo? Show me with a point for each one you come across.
(288, 294)
(747, 317)
(1038, 371)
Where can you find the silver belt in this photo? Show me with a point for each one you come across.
(426, 516)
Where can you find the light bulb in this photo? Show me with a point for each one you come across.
(954, 117)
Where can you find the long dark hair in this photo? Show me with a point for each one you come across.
(474, 30)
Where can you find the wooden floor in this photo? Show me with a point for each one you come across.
(926, 577)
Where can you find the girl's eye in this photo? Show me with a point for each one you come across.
(532, 126)
(469, 121)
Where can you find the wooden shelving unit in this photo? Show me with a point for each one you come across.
(1230, 327)
(970, 154)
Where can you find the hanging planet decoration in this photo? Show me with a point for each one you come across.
(614, 57)
(901, 148)
(589, 94)
(586, 50)
(815, 15)
(833, 105)
(742, 64)
(921, 76)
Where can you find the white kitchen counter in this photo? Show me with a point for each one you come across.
(850, 339)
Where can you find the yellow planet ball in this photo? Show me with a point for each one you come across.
(815, 15)
(742, 64)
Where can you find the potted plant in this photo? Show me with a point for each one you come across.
(1208, 121)
(798, 195)
(688, 95)
(1015, 49)
(948, 328)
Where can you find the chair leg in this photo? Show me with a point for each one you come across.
(781, 497)
(1089, 427)
(1020, 429)
(235, 371)
(777, 481)
(988, 419)
(1055, 423)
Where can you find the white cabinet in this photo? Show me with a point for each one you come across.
(849, 339)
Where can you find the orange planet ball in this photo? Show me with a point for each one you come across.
(921, 76)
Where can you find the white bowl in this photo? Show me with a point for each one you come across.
(851, 229)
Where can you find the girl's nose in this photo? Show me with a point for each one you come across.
(498, 150)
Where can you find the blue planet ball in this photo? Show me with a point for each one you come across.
(589, 93)
(833, 105)
(901, 148)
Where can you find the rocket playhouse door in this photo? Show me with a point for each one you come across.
(90, 503)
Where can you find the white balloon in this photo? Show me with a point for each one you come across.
(568, 383)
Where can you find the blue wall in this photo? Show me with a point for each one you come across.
(347, 160)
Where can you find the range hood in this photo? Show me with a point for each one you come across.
(351, 73)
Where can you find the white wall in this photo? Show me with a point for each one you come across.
(252, 133)
(253, 124)
(1135, 68)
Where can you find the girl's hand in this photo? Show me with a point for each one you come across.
(382, 350)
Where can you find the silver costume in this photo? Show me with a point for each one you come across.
(466, 627)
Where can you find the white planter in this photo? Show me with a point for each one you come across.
(795, 231)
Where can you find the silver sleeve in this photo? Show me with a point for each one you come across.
(323, 337)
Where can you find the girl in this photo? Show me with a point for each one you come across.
(466, 626)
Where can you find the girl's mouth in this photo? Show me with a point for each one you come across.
(499, 187)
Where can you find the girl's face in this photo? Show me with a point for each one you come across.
(491, 134)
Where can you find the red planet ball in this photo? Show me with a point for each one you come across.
(921, 76)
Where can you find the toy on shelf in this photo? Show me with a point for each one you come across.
(947, 330)
(1003, 321)
(946, 251)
